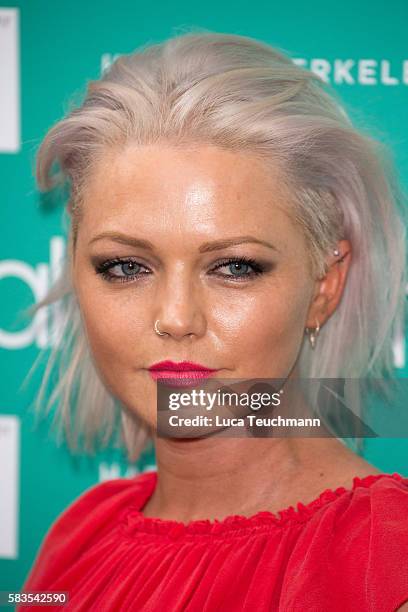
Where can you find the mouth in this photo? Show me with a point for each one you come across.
(181, 374)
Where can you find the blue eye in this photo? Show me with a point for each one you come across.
(127, 270)
(240, 267)
(130, 269)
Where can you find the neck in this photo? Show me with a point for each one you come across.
(212, 478)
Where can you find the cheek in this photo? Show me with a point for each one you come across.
(264, 331)
(113, 333)
(116, 350)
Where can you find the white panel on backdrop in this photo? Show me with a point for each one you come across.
(9, 485)
(9, 81)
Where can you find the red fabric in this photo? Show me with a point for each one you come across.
(345, 551)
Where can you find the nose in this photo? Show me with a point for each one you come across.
(181, 305)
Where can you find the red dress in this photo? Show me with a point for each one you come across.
(345, 551)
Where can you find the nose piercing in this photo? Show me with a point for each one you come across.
(156, 329)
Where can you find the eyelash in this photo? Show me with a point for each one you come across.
(104, 267)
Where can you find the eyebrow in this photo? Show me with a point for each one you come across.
(206, 247)
(222, 244)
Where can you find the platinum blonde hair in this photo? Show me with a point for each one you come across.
(242, 95)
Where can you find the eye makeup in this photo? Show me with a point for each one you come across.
(129, 269)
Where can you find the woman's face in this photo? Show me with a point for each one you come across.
(207, 246)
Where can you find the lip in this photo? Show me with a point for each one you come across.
(181, 366)
(181, 374)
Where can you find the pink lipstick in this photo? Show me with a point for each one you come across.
(181, 374)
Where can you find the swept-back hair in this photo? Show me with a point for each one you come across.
(242, 95)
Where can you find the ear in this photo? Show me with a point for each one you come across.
(329, 289)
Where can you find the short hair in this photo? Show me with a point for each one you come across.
(240, 94)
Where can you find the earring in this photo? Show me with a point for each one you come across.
(313, 333)
(336, 253)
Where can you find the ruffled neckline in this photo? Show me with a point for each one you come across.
(135, 521)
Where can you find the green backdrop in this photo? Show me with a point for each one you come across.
(47, 53)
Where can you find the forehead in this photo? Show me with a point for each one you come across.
(184, 187)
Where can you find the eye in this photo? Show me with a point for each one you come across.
(126, 270)
(240, 268)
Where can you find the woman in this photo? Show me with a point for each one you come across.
(226, 218)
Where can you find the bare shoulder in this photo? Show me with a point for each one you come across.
(358, 466)
(343, 465)
(354, 464)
